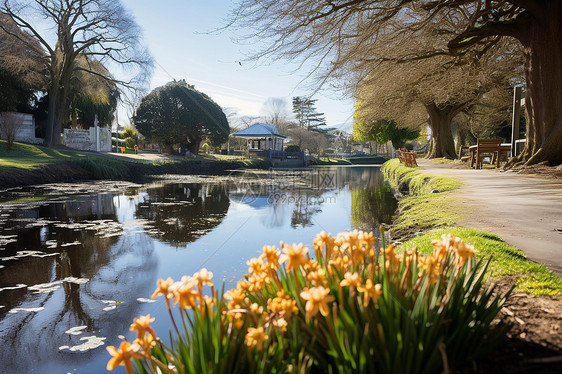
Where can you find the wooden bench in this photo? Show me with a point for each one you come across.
(485, 148)
(464, 153)
(407, 158)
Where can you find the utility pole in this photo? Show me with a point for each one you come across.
(515, 119)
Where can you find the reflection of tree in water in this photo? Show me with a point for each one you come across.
(113, 265)
(372, 205)
(182, 213)
(307, 204)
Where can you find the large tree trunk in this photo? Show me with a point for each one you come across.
(57, 102)
(543, 69)
(48, 142)
(442, 143)
(193, 146)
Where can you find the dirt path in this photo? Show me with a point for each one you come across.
(526, 211)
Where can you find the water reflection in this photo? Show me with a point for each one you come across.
(79, 257)
(305, 192)
(181, 213)
(76, 267)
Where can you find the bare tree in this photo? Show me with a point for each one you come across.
(332, 33)
(101, 30)
(20, 67)
(9, 124)
(409, 90)
(275, 110)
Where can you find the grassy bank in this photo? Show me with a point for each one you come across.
(429, 209)
(29, 164)
(426, 200)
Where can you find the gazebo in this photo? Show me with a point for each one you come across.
(262, 137)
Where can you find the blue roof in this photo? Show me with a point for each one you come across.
(259, 129)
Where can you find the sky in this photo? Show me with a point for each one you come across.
(179, 36)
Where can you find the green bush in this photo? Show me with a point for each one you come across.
(130, 143)
(292, 148)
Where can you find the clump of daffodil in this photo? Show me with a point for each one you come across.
(293, 307)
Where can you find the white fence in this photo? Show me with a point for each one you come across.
(94, 139)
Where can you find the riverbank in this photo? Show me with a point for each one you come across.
(430, 206)
(30, 165)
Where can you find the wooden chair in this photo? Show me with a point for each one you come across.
(410, 159)
(407, 158)
(487, 148)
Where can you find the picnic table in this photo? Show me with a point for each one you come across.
(496, 153)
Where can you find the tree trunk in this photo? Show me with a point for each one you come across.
(48, 142)
(57, 102)
(193, 146)
(543, 102)
(442, 143)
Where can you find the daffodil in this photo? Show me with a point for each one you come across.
(204, 276)
(123, 356)
(142, 326)
(146, 342)
(323, 240)
(256, 337)
(282, 304)
(317, 278)
(235, 296)
(162, 287)
(280, 323)
(255, 266)
(317, 299)
(295, 254)
(371, 291)
(271, 256)
(186, 295)
(351, 280)
(463, 251)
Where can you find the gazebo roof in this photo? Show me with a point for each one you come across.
(259, 130)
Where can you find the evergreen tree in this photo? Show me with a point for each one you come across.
(305, 111)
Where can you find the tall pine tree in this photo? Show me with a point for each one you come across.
(305, 111)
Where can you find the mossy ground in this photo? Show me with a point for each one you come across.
(435, 214)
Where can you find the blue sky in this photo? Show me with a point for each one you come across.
(177, 34)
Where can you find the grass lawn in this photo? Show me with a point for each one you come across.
(435, 214)
(26, 156)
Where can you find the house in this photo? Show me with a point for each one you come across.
(262, 137)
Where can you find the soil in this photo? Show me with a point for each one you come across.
(534, 343)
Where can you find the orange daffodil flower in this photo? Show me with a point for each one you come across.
(351, 280)
(317, 299)
(163, 286)
(123, 356)
(256, 337)
(371, 291)
(142, 326)
(295, 254)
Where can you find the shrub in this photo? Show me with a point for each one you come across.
(130, 143)
(351, 309)
(292, 148)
